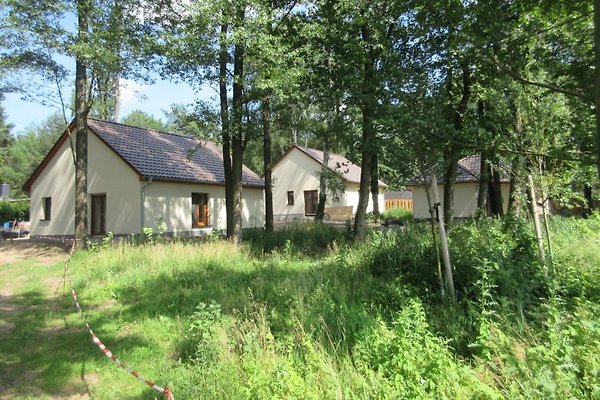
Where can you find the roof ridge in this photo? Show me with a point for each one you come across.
(148, 129)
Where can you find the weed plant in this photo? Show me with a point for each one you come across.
(399, 215)
(305, 314)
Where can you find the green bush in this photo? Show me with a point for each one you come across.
(504, 253)
(408, 253)
(14, 210)
(397, 214)
(308, 238)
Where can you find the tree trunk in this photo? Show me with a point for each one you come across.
(81, 131)
(454, 156)
(589, 199)
(225, 133)
(323, 182)
(443, 240)
(432, 220)
(597, 80)
(449, 179)
(375, 185)
(237, 139)
(484, 181)
(536, 220)
(516, 167)
(267, 157)
(497, 193)
(368, 105)
(484, 177)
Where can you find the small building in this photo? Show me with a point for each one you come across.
(138, 178)
(296, 178)
(466, 190)
(401, 199)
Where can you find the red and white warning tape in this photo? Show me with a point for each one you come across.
(114, 358)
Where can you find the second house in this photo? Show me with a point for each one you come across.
(296, 177)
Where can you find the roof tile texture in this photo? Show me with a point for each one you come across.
(349, 171)
(166, 156)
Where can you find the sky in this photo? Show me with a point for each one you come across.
(151, 98)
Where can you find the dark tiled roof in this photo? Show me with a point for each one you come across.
(349, 171)
(467, 171)
(402, 195)
(167, 157)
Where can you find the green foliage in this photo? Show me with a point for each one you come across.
(144, 120)
(28, 150)
(399, 215)
(106, 241)
(214, 320)
(310, 238)
(14, 210)
(407, 253)
(6, 138)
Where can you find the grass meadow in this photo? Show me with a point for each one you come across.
(307, 314)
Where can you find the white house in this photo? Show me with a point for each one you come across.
(296, 185)
(138, 178)
(466, 190)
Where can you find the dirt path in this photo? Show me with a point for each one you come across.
(20, 261)
(15, 250)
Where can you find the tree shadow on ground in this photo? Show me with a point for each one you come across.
(43, 346)
(326, 299)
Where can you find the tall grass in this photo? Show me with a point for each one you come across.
(308, 315)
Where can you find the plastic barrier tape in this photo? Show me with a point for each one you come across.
(114, 358)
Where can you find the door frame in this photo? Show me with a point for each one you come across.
(307, 195)
(98, 230)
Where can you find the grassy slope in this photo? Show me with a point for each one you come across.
(218, 321)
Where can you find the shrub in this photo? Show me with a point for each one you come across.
(309, 238)
(503, 252)
(14, 210)
(397, 214)
(408, 253)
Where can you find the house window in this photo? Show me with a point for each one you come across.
(199, 210)
(290, 198)
(46, 208)
(310, 202)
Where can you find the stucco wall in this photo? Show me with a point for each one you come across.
(299, 172)
(351, 198)
(108, 174)
(56, 181)
(296, 172)
(465, 199)
(172, 203)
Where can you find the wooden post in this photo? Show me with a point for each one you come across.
(536, 220)
(443, 238)
(435, 245)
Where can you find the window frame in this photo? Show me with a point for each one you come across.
(290, 197)
(46, 209)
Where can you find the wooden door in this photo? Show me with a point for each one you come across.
(98, 214)
(311, 199)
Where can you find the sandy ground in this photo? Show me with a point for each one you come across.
(44, 254)
(14, 250)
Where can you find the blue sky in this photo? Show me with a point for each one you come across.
(151, 98)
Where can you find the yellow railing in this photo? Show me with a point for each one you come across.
(405, 204)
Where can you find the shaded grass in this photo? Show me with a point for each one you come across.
(218, 321)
